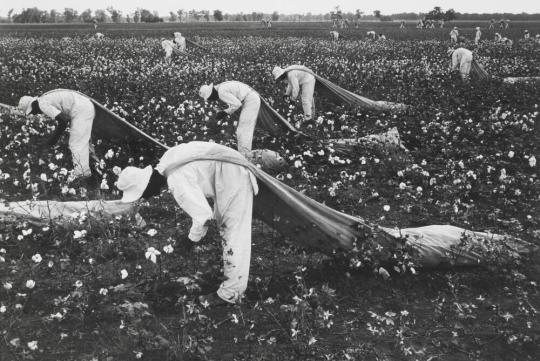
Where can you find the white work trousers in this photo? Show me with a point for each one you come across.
(82, 118)
(233, 212)
(306, 94)
(247, 122)
(465, 68)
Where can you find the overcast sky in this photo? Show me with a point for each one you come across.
(283, 6)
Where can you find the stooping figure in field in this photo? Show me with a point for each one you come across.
(236, 95)
(180, 41)
(477, 35)
(381, 37)
(371, 34)
(67, 107)
(298, 83)
(526, 35)
(334, 35)
(168, 47)
(454, 33)
(191, 182)
(492, 24)
(461, 60)
(402, 24)
(99, 36)
(498, 37)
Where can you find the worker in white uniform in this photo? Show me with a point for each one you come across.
(191, 182)
(236, 95)
(334, 35)
(454, 33)
(180, 41)
(461, 60)
(298, 83)
(168, 47)
(67, 107)
(477, 36)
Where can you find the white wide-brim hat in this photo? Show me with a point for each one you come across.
(132, 181)
(477, 28)
(205, 91)
(25, 104)
(277, 72)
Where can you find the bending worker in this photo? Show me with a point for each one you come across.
(191, 182)
(461, 59)
(180, 41)
(67, 107)
(298, 82)
(236, 95)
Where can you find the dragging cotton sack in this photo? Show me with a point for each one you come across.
(64, 213)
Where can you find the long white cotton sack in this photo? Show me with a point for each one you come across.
(44, 212)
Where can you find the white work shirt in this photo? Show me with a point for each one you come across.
(459, 56)
(296, 79)
(61, 101)
(194, 182)
(181, 42)
(233, 93)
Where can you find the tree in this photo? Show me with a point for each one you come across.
(358, 14)
(101, 16)
(450, 15)
(70, 15)
(53, 16)
(116, 15)
(10, 12)
(180, 13)
(137, 16)
(377, 14)
(275, 16)
(172, 16)
(86, 16)
(218, 15)
(206, 15)
(30, 15)
(148, 17)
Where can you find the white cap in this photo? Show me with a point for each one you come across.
(277, 72)
(206, 91)
(132, 181)
(477, 28)
(25, 104)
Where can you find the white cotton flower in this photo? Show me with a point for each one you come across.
(30, 284)
(79, 234)
(104, 185)
(511, 154)
(117, 170)
(8, 285)
(37, 258)
(43, 177)
(532, 161)
(3, 309)
(32, 345)
(27, 232)
(124, 274)
(419, 189)
(151, 254)
(109, 154)
(103, 291)
(168, 249)
(386, 208)
(78, 284)
(151, 232)
(402, 186)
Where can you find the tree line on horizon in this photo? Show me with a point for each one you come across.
(140, 15)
